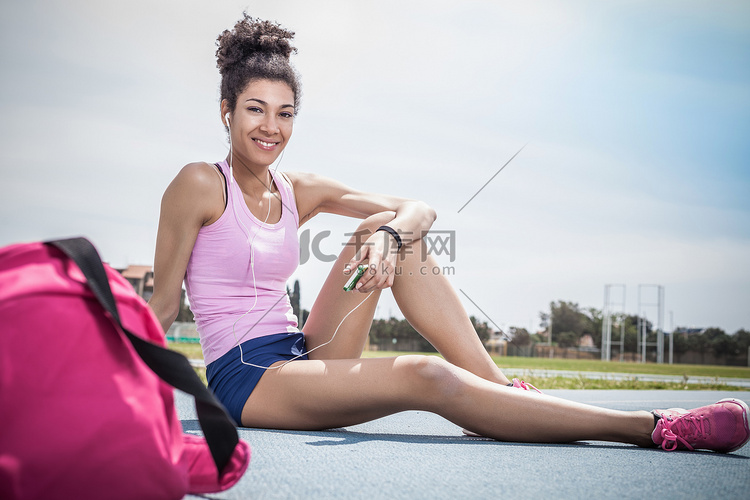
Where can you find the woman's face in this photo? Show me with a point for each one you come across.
(262, 121)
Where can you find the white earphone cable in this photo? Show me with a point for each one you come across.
(238, 342)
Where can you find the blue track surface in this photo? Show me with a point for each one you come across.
(420, 455)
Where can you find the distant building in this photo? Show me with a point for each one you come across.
(496, 344)
(586, 341)
(686, 332)
(141, 278)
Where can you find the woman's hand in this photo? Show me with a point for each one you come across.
(380, 251)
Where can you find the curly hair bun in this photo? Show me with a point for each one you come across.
(252, 37)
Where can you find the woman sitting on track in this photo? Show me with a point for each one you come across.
(230, 231)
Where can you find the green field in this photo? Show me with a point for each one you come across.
(525, 367)
(583, 365)
(192, 351)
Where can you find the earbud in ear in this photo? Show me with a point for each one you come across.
(226, 118)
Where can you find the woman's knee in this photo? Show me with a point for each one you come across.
(432, 376)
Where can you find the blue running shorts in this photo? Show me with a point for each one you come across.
(232, 381)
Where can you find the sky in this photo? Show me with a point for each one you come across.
(632, 119)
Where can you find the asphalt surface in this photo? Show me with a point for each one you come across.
(420, 455)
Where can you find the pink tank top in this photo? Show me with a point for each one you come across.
(219, 276)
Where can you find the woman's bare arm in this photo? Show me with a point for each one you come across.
(193, 199)
(411, 219)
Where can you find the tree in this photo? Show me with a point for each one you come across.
(698, 343)
(713, 333)
(520, 336)
(385, 331)
(593, 326)
(483, 331)
(184, 314)
(742, 337)
(568, 318)
(680, 343)
(715, 340)
(568, 339)
(544, 320)
(630, 324)
(724, 345)
(294, 299)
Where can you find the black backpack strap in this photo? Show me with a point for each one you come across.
(171, 366)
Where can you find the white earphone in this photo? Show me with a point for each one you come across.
(231, 176)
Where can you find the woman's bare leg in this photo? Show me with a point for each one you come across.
(431, 305)
(333, 304)
(428, 302)
(320, 394)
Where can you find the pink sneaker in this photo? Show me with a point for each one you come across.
(722, 427)
(518, 384)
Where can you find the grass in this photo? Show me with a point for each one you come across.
(201, 374)
(631, 383)
(512, 363)
(581, 365)
(525, 367)
(191, 351)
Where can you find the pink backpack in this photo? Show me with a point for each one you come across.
(83, 413)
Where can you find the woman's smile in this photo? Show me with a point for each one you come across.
(266, 145)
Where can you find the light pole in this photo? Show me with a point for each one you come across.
(607, 322)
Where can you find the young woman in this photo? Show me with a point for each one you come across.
(229, 231)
